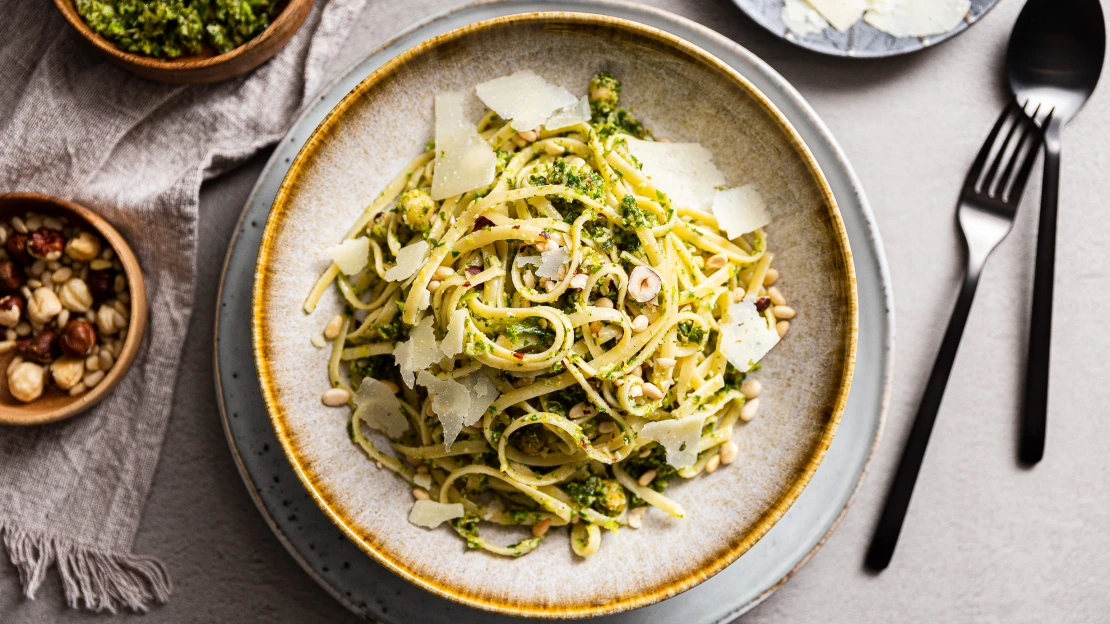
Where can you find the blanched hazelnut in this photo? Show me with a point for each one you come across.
(46, 244)
(106, 320)
(11, 310)
(16, 246)
(12, 277)
(67, 372)
(43, 306)
(75, 295)
(644, 284)
(25, 381)
(78, 338)
(83, 247)
(42, 347)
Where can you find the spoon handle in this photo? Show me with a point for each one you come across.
(1035, 409)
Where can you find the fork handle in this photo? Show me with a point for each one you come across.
(1035, 408)
(901, 488)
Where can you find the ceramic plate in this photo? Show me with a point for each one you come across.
(682, 93)
(861, 40)
(373, 592)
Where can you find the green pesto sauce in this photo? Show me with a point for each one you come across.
(172, 28)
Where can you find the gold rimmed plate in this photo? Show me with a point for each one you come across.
(681, 92)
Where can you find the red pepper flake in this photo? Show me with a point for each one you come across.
(762, 304)
(473, 270)
(518, 355)
(466, 284)
(516, 227)
(481, 223)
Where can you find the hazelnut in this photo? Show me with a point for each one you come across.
(106, 320)
(83, 247)
(101, 285)
(46, 244)
(42, 347)
(25, 381)
(11, 310)
(67, 372)
(78, 338)
(16, 246)
(12, 277)
(75, 295)
(43, 305)
(644, 284)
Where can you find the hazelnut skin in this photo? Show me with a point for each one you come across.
(42, 347)
(101, 285)
(11, 310)
(16, 246)
(78, 338)
(46, 244)
(12, 277)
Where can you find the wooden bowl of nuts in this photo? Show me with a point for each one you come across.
(72, 308)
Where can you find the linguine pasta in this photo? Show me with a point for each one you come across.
(545, 350)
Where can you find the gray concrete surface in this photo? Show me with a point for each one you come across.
(986, 541)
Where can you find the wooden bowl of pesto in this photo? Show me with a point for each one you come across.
(190, 42)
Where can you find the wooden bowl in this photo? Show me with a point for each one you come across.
(54, 404)
(200, 68)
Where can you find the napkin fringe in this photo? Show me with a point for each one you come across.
(91, 578)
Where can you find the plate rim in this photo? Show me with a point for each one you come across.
(868, 231)
(482, 598)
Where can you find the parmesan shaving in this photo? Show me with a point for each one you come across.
(551, 261)
(802, 19)
(740, 210)
(351, 256)
(684, 171)
(747, 336)
(579, 112)
(917, 18)
(409, 261)
(419, 352)
(464, 161)
(842, 14)
(430, 514)
(423, 480)
(525, 98)
(452, 344)
(377, 406)
(679, 437)
(458, 404)
(483, 394)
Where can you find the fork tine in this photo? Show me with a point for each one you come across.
(1013, 195)
(1004, 154)
(976, 170)
(1026, 152)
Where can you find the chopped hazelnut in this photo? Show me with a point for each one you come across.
(644, 284)
(11, 310)
(83, 247)
(75, 295)
(43, 305)
(46, 244)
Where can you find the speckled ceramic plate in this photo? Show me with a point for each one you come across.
(682, 93)
(373, 592)
(861, 40)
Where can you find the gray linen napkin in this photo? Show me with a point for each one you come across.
(74, 126)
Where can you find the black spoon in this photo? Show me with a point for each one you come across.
(1054, 61)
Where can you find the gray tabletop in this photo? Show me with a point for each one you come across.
(986, 541)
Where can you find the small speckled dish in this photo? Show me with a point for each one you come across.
(683, 93)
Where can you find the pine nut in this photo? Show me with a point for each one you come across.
(442, 273)
(106, 359)
(331, 331)
(336, 397)
(51, 223)
(34, 223)
(421, 494)
(581, 410)
(665, 362)
(92, 363)
(770, 277)
(640, 323)
(100, 265)
(19, 225)
(715, 262)
(729, 451)
(784, 312)
(93, 378)
(749, 410)
(751, 388)
(595, 327)
(61, 275)
(776, 296)
(636, 517)
(637, 372)
(738, 294)
(528, 135)
(782, 327)
(541, 527)
(7, 346)
(607, 427)
(713, 464)
(517, 141)
(603, 302)
(529, 279)
(646, 478)
(652, 391)
(78, 389)
(554, 149)
(317, 341)
(433, 285)
(392, 386)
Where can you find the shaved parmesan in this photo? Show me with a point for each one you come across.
(842, 14)
(483, 393)
(423, 480)
(409, 261)
(684, 171)
(418, 352)
(452, 344)
(740, 210)
(747, 336)
(551, 262)
(458, 404)
(351, 255)
(917, 18)
(431, 514)
(802, 19)
(464, 161)
(377, 406)
(525, 98)
(424, 301)
(679, 437)
(576, 113)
